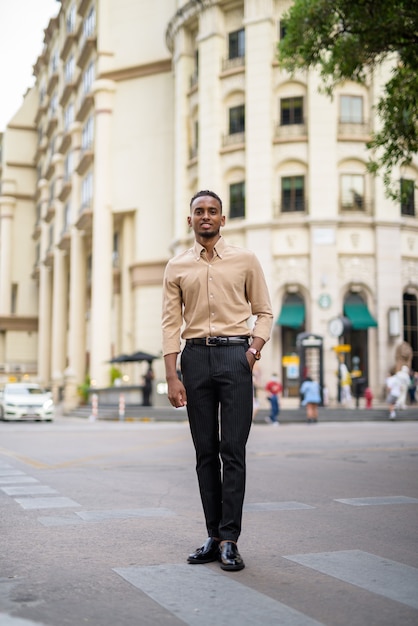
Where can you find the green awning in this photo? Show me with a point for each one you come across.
(292, 315)
(359, 315)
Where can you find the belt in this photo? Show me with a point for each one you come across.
(218, 341)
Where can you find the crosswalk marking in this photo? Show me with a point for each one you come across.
(376, 574)
(276, 506)
(200, 596)
(27, 490)
(12, 480)
(46, 503)
(95, 516)
(378, 500)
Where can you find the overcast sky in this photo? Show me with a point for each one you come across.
(22, 24)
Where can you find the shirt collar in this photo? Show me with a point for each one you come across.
(219, 248)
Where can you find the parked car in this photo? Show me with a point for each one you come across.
(21, 401)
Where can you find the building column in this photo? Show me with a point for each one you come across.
(258, 21)
(59, 294)
(45, 294)
(76, 348)
(7, 208)
(102, 270)
(211, 112)
(183, 69)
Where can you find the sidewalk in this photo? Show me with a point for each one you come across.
(290, 412)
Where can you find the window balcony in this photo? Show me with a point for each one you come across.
(85, 106)
(65, 239)
(69, 88)
(68, 44)
(50, 211)
(236, 63)
(52, 124)
(86, 48)
(85, 217)
(52, 83)
(65, 143)
(65, 190)
(82, 7)
(235, 140)
(86, 159)
(36, 230)
(350, 131)
(43, 108)
(290, 132)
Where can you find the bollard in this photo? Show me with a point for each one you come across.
(94, 407)
(121, 406)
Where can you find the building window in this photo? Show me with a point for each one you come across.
(13, 308)
(88, 78)
(87, 134)
(237, 200)
(351, 109)
(70, 21)
(282, 29)
(352, 192)
(291, 111)
(68, 166)
(410, 325)
(87, 190)
(53, 105)
(236, 47)
(68, 116)
(69, 69)
(293, 193)
(407, 197)
(54, 62)
(66, 221)
(89, 24)
(237, 119)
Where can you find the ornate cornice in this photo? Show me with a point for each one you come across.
(188, 11)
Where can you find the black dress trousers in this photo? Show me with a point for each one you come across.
(218, 382)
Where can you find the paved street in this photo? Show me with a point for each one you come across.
(97, 519)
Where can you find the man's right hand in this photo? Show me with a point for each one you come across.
(176, 393)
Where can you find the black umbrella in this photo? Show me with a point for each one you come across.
(142, 356)
(120, 359)
(136, 356)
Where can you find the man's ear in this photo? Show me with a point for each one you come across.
(189, 221)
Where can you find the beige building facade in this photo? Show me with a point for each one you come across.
(137, 106)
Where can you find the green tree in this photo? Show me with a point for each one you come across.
(348, 40)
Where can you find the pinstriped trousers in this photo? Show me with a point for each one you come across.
(218, 382)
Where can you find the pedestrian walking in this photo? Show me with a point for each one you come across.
(273, 388)
(311, 395)
(214, 288)
(393, 388)
(404, 381)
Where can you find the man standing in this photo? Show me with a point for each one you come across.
(214, 288)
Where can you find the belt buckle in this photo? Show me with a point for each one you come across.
(212, 341)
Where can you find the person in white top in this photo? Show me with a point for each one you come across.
(404, 380)
(393, 386)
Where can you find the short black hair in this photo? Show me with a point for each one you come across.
(206, 192)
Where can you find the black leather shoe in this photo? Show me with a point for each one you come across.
(230, 557)
(207, 553)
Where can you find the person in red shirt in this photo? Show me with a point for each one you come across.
(273, 388)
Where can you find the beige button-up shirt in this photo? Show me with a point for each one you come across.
(216, 297)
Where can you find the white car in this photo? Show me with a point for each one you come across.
(21, 401)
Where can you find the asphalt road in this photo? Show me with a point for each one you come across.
(97, 520)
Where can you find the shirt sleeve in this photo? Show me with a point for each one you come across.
(259, 298)
(172, 312)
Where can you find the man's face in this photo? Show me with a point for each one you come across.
(205, 217)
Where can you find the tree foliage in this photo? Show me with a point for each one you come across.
(351, 39)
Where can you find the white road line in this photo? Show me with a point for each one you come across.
(13, 480)
(200, 596)
(98, 516)
(29, 490)
(8, 620)
(378, 500)
(276, 506)
(46, 503)
(374, 573)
